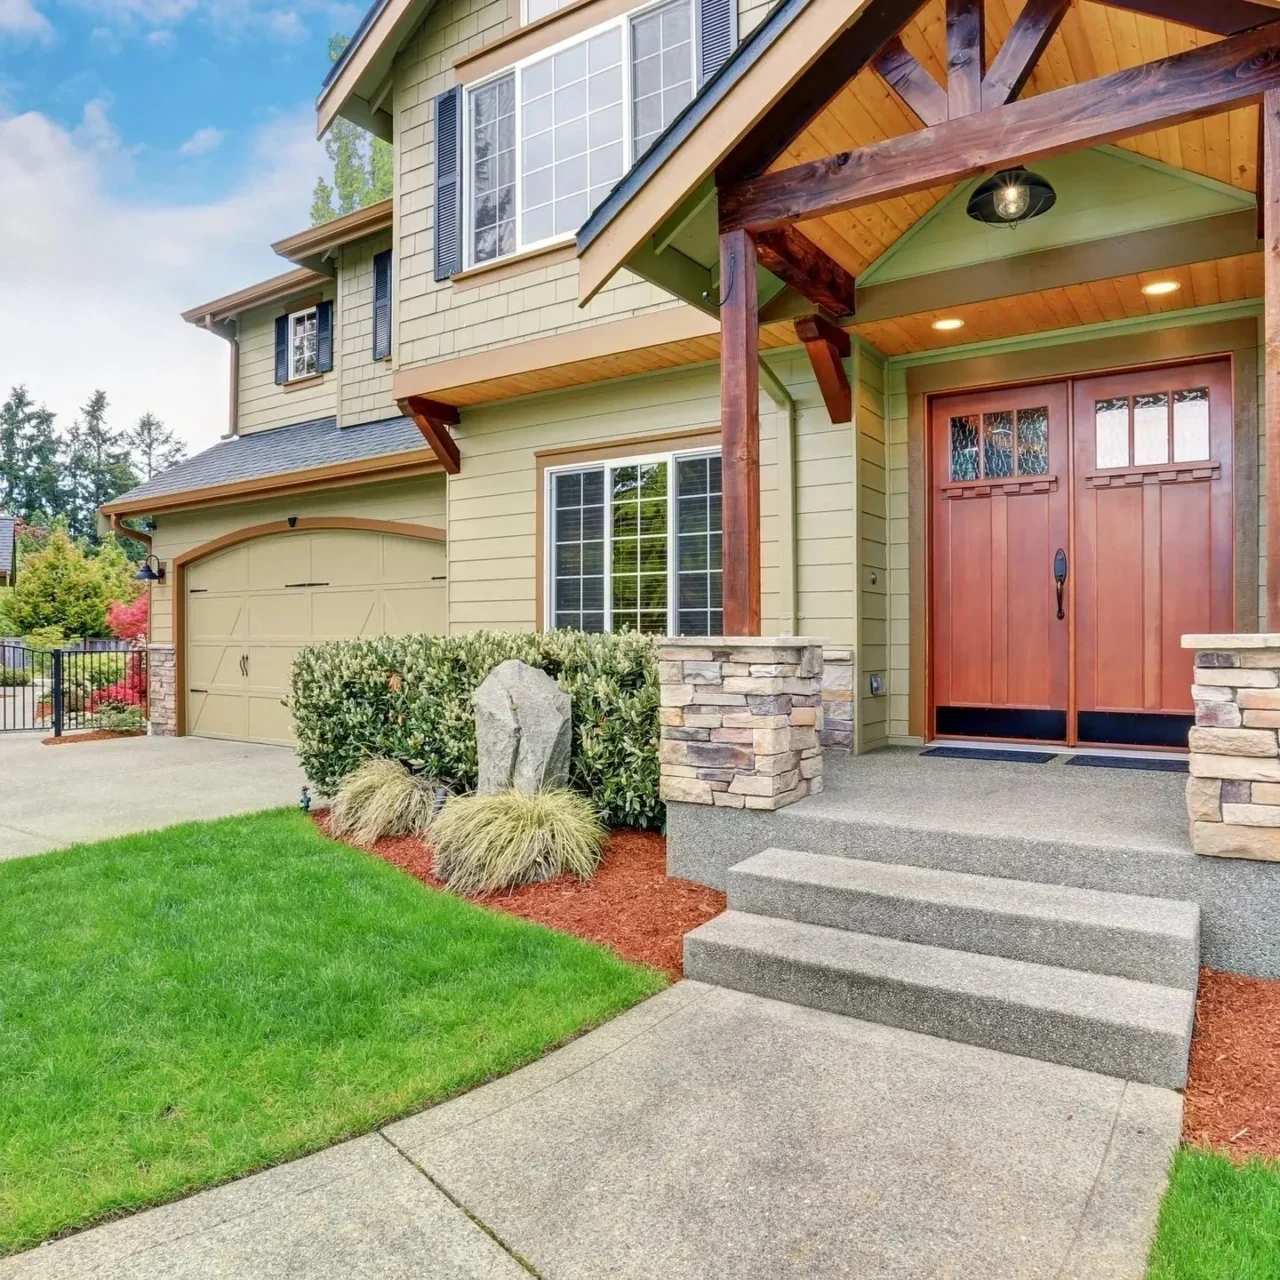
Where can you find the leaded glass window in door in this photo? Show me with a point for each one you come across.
(1000, 445)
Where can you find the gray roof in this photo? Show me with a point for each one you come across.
(8, 534)
(300, 447)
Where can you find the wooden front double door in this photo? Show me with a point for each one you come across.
(1078, 531)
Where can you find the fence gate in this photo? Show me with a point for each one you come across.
(65, 690)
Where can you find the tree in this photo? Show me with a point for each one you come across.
(363, 166)
(153, 447)
(29, 464)
(63, 587)
(97, 467)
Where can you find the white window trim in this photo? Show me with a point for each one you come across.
(609, 465)
(294, 318)
(513, 69)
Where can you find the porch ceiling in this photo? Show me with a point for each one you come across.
(1094, 40)
(1203, 284)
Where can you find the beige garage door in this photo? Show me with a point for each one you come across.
(252, 607)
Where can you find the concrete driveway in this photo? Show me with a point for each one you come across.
(704, 1135)
(55, 796)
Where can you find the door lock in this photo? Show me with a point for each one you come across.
(1060, 578)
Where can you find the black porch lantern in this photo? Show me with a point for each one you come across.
(147, 574)
(1011, 197)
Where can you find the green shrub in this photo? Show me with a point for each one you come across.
(492, 842)
(382, 798)
(46, 638)
(64, 586)
(14, 677)
(409, 699)
(119, 719)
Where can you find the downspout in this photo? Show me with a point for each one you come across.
(786, 455)
(227, 329)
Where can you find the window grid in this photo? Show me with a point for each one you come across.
(1000, 445)
(661, 69)
(600, 166)
(302, 344)
(1152, 428)
(492, 149)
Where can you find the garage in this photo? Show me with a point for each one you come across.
(253, 605)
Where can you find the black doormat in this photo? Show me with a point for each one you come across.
(1129, 762)
(983, 753)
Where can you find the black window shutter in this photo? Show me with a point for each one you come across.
(717, 35)
(282, 349)
(448, 183)
(324, 337)
(382, 305)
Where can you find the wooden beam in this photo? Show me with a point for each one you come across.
(911, 82)
(1222, 17)
(798, 262)
(964, 57)
(740, 433)
(434, 419)
(1187, 86)
(828, 346)
(1270, 195)
(843, 59)
(1026, 42)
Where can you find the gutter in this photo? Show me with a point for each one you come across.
(228, 329)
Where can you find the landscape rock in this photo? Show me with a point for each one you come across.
(524, 730)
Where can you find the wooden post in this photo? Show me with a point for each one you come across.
(740, 432)
(1269, 202)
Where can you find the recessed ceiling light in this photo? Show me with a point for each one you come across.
(947, 325)
(1159, 288)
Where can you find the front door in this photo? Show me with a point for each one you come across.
(1079, 530)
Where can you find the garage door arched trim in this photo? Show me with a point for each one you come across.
(300, 524)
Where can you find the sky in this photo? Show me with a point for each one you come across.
(150, 151)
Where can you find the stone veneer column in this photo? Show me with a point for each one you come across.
(1233, 794)
(162, 689)
(837, 699)
(740, 720)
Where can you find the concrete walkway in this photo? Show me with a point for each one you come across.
(704, 1134)
(55, 796)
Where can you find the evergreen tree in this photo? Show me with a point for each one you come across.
(29, 463)
(153, 447)
(363, 166)
(97, 467)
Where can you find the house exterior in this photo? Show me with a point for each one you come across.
(678, 319)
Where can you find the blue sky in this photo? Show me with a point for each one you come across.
(149, 152)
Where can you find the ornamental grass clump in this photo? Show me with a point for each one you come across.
(382, 798)
(483, 843)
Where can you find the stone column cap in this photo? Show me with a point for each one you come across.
(739, 642)
(1234, 640)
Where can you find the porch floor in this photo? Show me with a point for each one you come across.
(1106, 808)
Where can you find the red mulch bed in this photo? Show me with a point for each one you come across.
(630, 904)
(1233, 1094)
(98, 735)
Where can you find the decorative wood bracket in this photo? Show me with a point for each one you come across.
(434, 420)
(1027, 40)
(828, 347)
(1159, 473)
(1005, 488)
(798, 262)
(911, 82)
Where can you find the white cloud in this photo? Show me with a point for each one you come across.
(93, 283)
(160, 39)
(286, 25)
(203, 141)
(21, 20)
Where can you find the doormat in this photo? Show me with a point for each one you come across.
(982, 753)
(1129, 762)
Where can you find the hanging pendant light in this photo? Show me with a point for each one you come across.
(1011, 197)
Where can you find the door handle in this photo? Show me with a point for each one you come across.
(244, 665)
(1060, 577)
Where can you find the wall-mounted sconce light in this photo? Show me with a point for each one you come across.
(147, 574)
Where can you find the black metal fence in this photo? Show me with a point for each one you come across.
(63, 690)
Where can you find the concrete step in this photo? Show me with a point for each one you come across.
(1154, 940)
(1135, 1030)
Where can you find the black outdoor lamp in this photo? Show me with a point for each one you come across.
(147, 574)
(1011, 197)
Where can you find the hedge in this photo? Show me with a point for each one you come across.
(408, 698)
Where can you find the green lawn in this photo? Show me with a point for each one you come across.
(1219, 1220)
(184, 1006)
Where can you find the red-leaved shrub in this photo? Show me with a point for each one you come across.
(128, 621)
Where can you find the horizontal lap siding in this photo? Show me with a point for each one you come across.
(263, 404)
(416, 501)
(873, 535)
(365, 383)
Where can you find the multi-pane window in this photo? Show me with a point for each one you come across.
(1000, 445)
(628, 553)
(550, 138)
(302, 344)
(535, 9)
(1152, 429)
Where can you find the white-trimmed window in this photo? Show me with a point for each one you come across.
(548, 139)
(535, 9)
(635, 544)
(303, 344)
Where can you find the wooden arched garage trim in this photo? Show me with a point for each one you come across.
(300, 524)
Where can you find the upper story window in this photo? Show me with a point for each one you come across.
(303, 351)
(547, 140)
(535, 9)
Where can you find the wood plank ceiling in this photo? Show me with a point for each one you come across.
(1093, 40)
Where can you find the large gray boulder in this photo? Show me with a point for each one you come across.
(524, 729)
